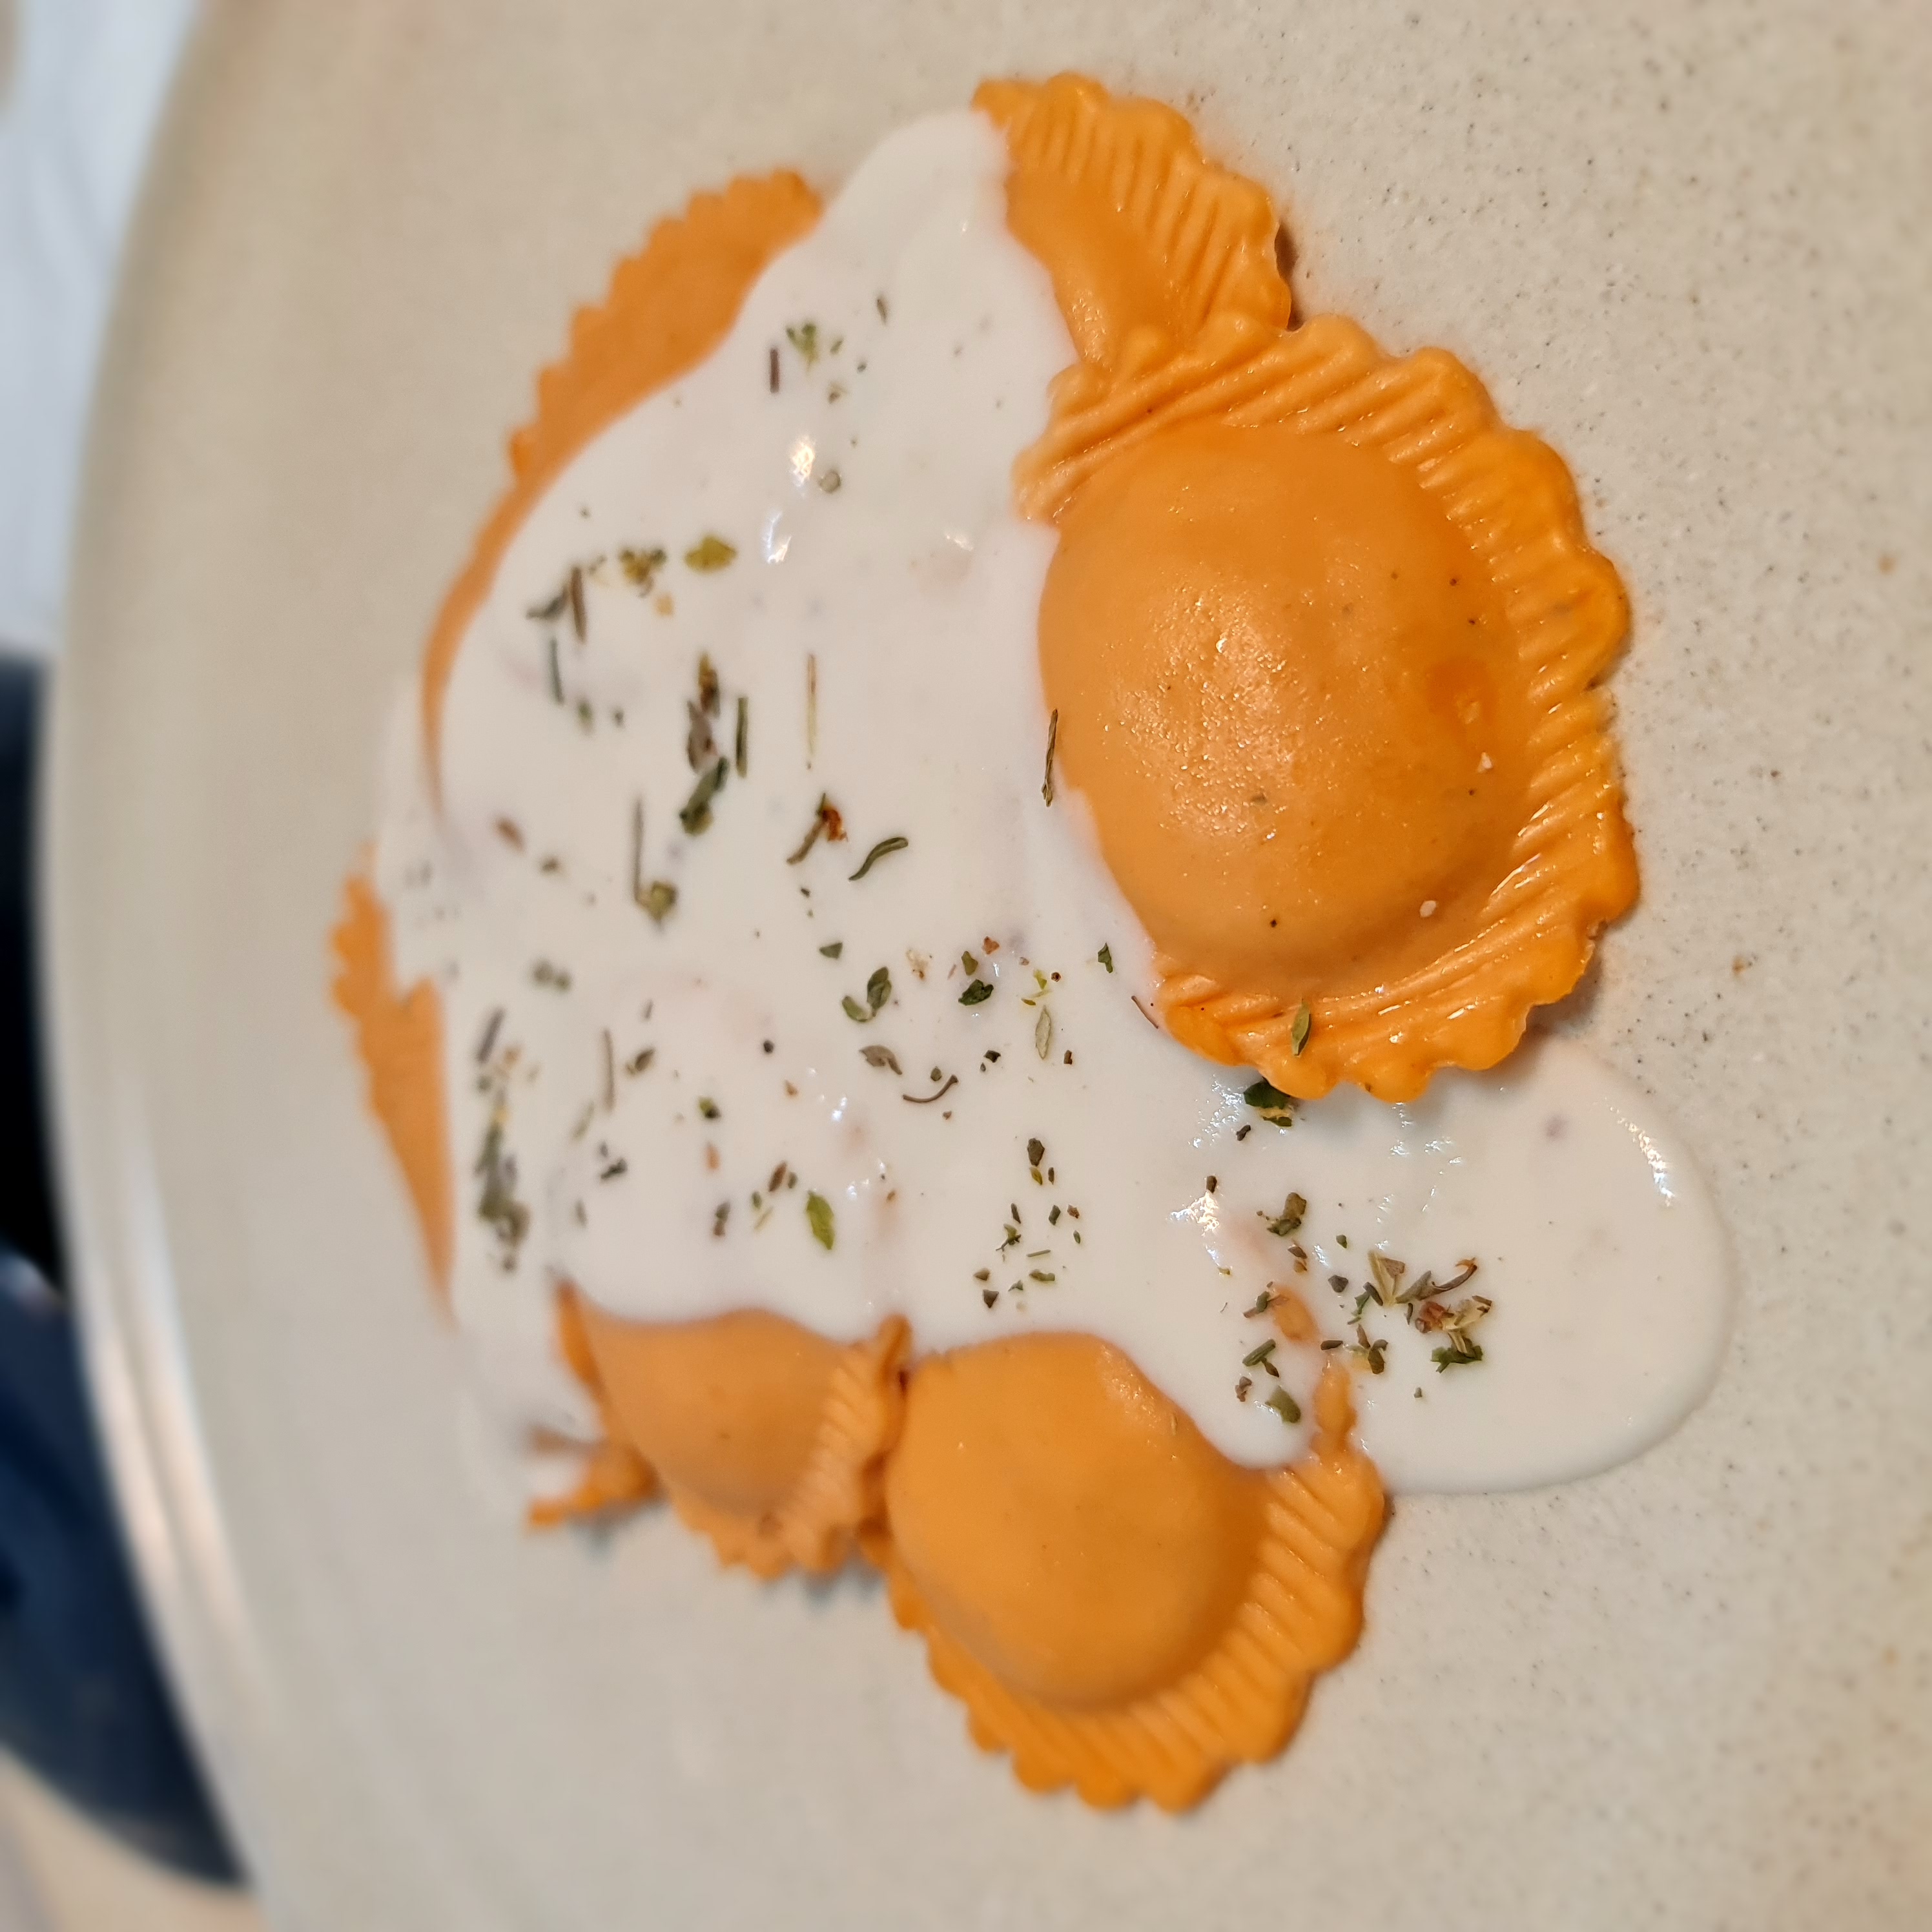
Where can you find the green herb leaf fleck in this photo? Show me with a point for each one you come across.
(695, 815)
(711, 552)
(1271, 1103)
(976, 994)
(882, 849)
(1286, 1406)
(1289, 1219)
(818, 1219)
(1105, 956)
(1297, 1037)
(660, 895)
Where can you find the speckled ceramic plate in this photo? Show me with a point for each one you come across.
(1688, 243)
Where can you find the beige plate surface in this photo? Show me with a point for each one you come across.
(1688, 243)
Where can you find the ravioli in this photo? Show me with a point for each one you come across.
(768, 1438)
(1116, 1604)
(1322, 634)
(1320, 641)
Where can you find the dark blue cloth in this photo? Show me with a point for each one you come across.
(81, 1698)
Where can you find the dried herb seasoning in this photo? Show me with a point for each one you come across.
(878, 991)
(1270, 1102)
(883, 850)
(640, 567)
(1290, 1218)
(497, 1207)
(1385, 1275)
(826, 824)
(701, 748)
(487, 1045)
(818, 1217)
(695, 815)
(1286, 1406)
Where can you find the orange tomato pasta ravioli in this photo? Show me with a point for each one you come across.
(1320, 638)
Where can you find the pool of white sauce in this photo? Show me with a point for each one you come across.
(876, 630)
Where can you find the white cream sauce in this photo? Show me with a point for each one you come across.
(676, 1101)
